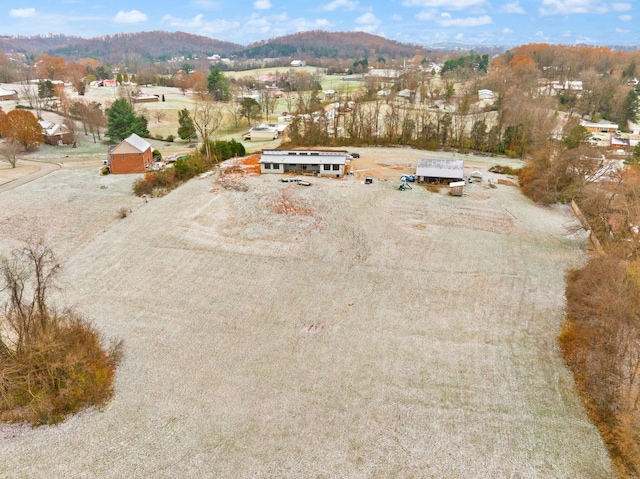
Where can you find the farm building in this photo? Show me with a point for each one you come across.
(145, 98)
(56, 133)
(265, 132)
(8, 94)
(433, 170)
(131, 155)
(313, 162)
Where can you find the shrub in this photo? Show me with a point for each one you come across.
(170, 138)
(123, 212)
(505, 170)
(143, 186)
(52, 364)
(105, 170)
(157, 155)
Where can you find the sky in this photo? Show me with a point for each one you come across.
(424, 22)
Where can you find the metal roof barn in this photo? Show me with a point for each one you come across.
(434, 170)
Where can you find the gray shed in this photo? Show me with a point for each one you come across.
(434, 170)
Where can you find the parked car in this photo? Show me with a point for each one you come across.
(408, 178)
(286, 179)
(368, 180)
(304, 183)
(354, 155)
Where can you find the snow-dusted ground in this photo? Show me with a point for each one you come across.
(370, 333)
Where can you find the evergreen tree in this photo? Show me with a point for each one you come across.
(187, 129)
(122, 121)
(218, 85)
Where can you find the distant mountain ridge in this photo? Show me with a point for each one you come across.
(161, 45)
(119, 47)
(319, 43)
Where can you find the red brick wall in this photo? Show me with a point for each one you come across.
(130, 162)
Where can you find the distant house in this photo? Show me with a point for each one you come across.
(56, 133)
(264, 132)
(131, 155)
(298, 63)
(6, 94)
(384, 74)
(434, 170)
(316, 162)
(485, 95)
(145, 98)
(602, 127)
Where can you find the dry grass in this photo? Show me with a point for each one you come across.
(389, 334)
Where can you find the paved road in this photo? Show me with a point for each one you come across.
(44, 169)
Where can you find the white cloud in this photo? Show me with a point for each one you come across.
(450, 4)
(621, 7)
(396, 18)
(134, 16)
(582, 39)
(367, 23)
(206, 4)
(195, 22)
(563, 7)
(513, 7)
(262, 4)
(22, 12)
(621, 30)
(507, 31)
(465, 22)
(336, 4)
(625, 18)
(426, 15)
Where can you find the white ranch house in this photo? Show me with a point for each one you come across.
(311, 162)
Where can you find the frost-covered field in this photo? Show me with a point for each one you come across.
(367, 332)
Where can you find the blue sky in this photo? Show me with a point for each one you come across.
(478, 22)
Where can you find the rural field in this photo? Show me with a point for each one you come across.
(331, 331)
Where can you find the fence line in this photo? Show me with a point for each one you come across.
(585, 224)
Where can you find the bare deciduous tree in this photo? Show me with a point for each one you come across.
(9, 152)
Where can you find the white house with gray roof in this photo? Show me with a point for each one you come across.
(313, 162)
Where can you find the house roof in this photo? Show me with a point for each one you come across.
(306, 157)
(52, 129)
(139, 144)
(439, 168)
(5, 92)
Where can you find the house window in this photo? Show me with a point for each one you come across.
(291, 153)
(326, 167)
(336, 167)
(275, 166)
(267, 166)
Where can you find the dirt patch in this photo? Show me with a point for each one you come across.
(507, 182)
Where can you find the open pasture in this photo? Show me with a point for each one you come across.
(364, 332)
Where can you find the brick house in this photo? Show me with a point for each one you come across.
(131, 155)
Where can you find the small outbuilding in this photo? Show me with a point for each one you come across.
(456, 188)
(435, 170)
(313, 162)
(131, 155)
(6, 94)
